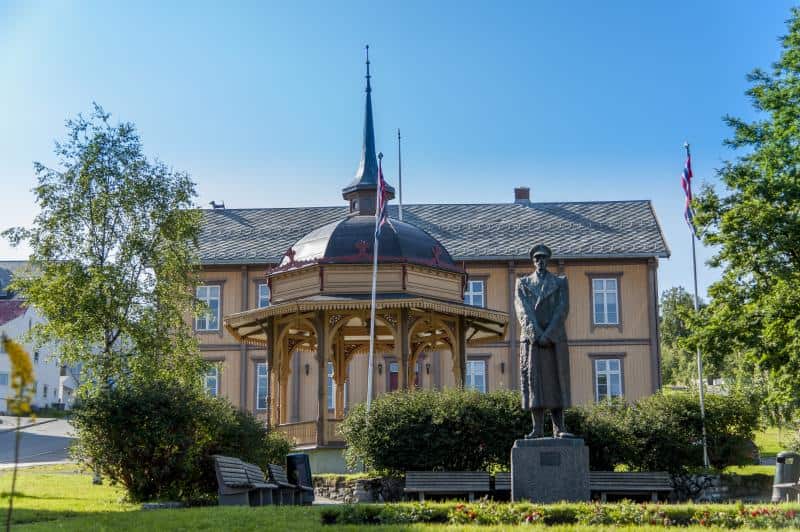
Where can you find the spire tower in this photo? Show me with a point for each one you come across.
(361, 191)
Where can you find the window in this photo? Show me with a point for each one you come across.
(476, 375)
(44, 391)
(212, 381)
(263, 295)
(607, 378)
(604, 298)
(474, 294)
(394, 376)
(3, 378)
(36, 357)
(262, 385)
(331, 388)
(210, 296)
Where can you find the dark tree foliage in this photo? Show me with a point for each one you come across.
(754, 223)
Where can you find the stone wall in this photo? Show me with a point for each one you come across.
(747, 488)
(349, 490)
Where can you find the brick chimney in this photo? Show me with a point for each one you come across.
(522, 195)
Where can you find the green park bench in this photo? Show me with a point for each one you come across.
(447, 483)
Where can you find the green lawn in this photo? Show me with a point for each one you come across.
(768, 442)
(63, 498)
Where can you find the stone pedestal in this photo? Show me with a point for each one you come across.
(550, 470)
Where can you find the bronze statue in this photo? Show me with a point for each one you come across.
(542, 303)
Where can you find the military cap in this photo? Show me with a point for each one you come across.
(540, 249)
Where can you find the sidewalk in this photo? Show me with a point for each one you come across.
(9, 423)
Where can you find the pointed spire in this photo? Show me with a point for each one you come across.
(366, 178)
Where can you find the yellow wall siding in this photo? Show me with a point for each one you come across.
(635, 365)
(634, 312)
(228, 362)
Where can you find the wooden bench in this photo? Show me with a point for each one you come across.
(235, 486)
(447, 483)
(289, 493)
(263, 492)
(502, 481)
(613, 483)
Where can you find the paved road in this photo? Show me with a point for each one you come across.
(43, 443)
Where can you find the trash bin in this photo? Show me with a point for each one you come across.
(298, 469)
(787, 469)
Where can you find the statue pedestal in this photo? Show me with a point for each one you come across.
(550, 470)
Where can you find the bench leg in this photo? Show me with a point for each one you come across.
(421, 497)
(654, 497)
(235, 499)
(602, 496)
(471, 496)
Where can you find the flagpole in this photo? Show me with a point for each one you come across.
(399, 178)
(371, 358)
(699, 355)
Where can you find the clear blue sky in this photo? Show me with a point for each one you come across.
(262, 103)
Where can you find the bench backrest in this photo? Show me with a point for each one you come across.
(447, 480)
(254, 473)
(659, 480)
(277, 474)
(230, 471)
(502, 481)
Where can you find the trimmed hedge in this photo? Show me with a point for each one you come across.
(467, 430)
(624, 513)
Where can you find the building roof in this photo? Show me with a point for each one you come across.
(469, 232)
(350, 241)
(11, 309)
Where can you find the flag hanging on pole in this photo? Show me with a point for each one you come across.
(686, 183)
(382, 212)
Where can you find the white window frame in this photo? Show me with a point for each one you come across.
(4, 378)
(471, 294)
(469, 382)
(263, 298)
(262, 381)
(609, 373)
(603, 292)
(205, 294)
(212, 375)
(331, 388)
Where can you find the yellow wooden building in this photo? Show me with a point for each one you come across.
(284, 284)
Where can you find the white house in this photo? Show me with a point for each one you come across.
(54, 385)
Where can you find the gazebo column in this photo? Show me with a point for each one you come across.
(322, 376)
(285, 370)
(403, 342)
(460, 361)
(339, 374)
(268, 329)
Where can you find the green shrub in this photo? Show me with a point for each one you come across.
(466, 430)
(156, 440)
(427, 430)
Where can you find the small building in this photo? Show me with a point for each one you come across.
(16, 319)
(280, 282)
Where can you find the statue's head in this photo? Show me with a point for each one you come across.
(540, 255)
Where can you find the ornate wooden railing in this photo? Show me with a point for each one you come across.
(302, 433)
(332, 431)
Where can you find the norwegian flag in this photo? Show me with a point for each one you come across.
(686, 183)
(382, 213)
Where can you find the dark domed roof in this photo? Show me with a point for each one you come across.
(350, 241)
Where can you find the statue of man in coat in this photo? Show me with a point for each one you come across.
(542, 303)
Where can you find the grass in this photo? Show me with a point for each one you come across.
(64, 498)
(770, 444)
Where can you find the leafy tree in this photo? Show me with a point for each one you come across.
(679, 365)
(113, 256)
(755, 226)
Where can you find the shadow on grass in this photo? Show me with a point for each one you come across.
(22, 516)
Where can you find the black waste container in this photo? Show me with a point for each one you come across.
(787, 469)
(298, 469)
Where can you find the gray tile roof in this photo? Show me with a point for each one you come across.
(7, 270)
(501, 231)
